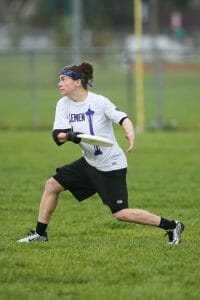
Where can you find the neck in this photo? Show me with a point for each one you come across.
(79, 96)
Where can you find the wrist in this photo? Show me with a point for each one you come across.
(72, 137)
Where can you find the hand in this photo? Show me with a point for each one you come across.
(72, 137)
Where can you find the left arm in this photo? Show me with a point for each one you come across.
(129, 133)
(119, 117)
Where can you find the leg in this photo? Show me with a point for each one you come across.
(47, 205)
(138, 216)
(49, 200)
(173, 228)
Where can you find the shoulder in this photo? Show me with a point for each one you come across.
(97, 98)
(62, 102)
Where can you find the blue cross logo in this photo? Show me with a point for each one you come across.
(89, 113)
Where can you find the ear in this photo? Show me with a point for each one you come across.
(78, 82)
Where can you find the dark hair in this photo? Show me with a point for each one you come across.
(85, 69)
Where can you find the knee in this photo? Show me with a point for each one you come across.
(121, 215)
(52, 186)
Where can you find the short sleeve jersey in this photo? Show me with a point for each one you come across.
(93, 116)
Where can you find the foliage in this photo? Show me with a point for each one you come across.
(180, 4)
(111, 13)
(103, 20)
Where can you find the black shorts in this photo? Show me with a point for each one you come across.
(83, 181)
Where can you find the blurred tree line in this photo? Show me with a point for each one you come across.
(102, 17)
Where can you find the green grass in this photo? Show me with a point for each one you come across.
(28, 90)
(90, 255)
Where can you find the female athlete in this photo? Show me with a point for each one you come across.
(100, 170)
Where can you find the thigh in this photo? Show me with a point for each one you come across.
(73, 177)
(112, 188)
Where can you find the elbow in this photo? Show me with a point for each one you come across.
(122, 120)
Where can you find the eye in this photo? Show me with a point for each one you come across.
(63, 78)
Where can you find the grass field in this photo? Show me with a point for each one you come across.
(28, 92)
(90, 255)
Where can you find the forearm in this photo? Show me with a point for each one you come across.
(61, 136)
(128, 128)
(129, 133)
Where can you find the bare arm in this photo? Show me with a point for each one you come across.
(60, 136)
(129, 133)
(69, 136)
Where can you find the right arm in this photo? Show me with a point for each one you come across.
(61, 125)
(61, 136)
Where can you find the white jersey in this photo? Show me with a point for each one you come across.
(93, 116)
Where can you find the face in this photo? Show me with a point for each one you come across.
(67, 85)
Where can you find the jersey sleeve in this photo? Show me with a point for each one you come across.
(113, 112)
(61, 120)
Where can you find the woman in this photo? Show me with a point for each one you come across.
(101, 170)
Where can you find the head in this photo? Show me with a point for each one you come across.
(76, 78)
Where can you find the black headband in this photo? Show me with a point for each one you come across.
(76, 76)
